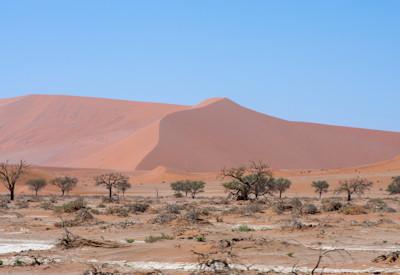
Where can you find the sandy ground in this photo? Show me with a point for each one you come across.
(274, 242)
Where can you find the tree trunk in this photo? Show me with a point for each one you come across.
(62, 193)
(12, 194)
(36, 193)
(320, 195)
(110, 192)
(280, 194)
(348, 196)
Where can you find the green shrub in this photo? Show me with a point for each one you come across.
(72, 206)
(130, 240)
(200, 238)
(244, 228)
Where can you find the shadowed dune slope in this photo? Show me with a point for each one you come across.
(82, 132)
(222, 133)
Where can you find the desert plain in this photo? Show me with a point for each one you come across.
(151, 229)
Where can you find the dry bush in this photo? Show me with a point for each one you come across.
(138, 207)
(329, 205)
(72, 206)
(119, 211)
(20, 204)
(47, 205)
(379, 205)
(251, 209)
(164, 218)
(352, 209)
(173, 208)
(392, 257)
(82, 217)
(310, 209)
(153, 239)
(4, 203)
(69, 240)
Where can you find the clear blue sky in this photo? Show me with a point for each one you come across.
(335, 62)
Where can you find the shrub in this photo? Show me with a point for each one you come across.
(378, 205)
(394, 186)
(118, 211)
(296, 205)
(251, 209)
(138, 207)
(193, 215)
(47, 205)
(22, 204)
(351, 209)
(130, 240)
(153, 239)
(331, 205)
(72, 206)
(244, 228)
(200, 238)
(164, 218)
(310, 209)
(173, 208)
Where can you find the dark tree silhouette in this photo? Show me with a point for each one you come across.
(65, 184)
(110, 181)
(10, 174)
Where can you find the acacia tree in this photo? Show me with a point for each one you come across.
(394, 187)
(320, 186)
(65, 184)
(110, 181)
(10, 174)
(246, 181)
(354, 186)
(36, 185)
(281, 185)
(123, 186)
(196, 187)
(180, 186)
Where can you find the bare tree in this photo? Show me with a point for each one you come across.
(65, 184)
(123, 186)
(10, 174)
(354, 186)
(253, 180)
(281, 185)
(320, 186)
(110, 181)
(36, 185)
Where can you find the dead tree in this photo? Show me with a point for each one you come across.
(110, 181)
(10, 174)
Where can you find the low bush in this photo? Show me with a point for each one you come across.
(352, 209)
(329, 205)
(310, 209)
(72, 206)
(378, 205)
(117, 211)
(173, 208)
(164, 218)
(244, 228)
(138, 207)
(153, 239)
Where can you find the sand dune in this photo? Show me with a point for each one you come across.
(81, 132)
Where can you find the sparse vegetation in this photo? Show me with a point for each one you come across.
(320, 187)
(394, 186)
(254, 180)
(110, 181)
(123, 186)
(244, 228)
(36, 185)
(65, 184)
(354, 186)
(188, 187)
(153, 239)
(10, 174)
(72, 206)
(281, 185)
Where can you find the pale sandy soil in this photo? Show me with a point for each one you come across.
(271, 246)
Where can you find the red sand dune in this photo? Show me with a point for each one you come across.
(102, 133)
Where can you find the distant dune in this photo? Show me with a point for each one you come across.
(65, 131)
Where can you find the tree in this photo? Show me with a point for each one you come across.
(188, 187)
(110, 181)
(10, 174)
(246, 181)
(36, 185)
(123, 186)
(320, 186)
(394, 187)
(354, 186)
(65, 184)
(196, 187)
(281, 185)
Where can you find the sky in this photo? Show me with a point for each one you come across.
(334, 62)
